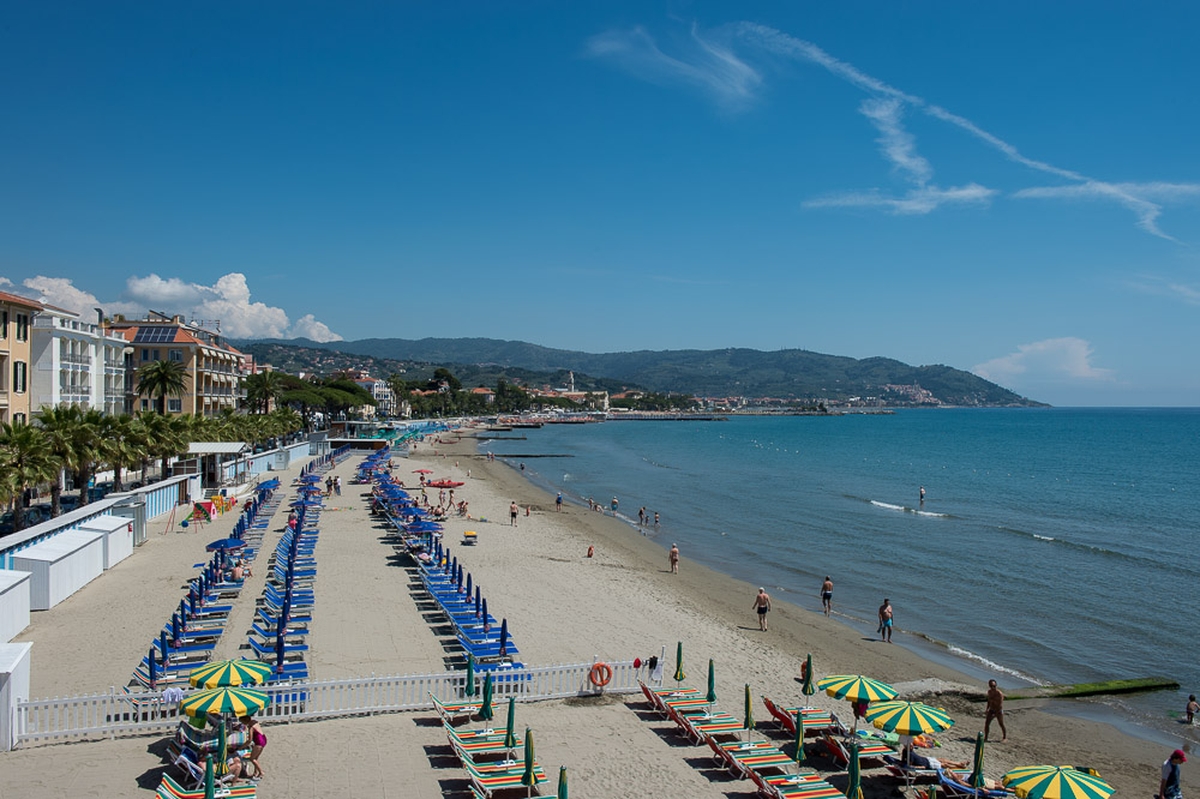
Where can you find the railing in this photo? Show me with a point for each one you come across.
(120, 713)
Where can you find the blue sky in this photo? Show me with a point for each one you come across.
(1012, 189)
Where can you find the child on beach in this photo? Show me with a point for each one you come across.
(258, 742)
(1193, 707)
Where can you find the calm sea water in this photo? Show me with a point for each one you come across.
(1052, 545)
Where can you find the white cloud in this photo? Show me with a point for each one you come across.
(1144, 200)
(5, 281)
(1051, 359)
(701, 62)
(227, 301)
(1160, 287)
(896, 143)
(921, 200)
(308, 327)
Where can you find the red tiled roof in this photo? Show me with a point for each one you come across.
(17, 299)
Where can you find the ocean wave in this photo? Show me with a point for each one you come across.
(992, 665)
(1090, 548)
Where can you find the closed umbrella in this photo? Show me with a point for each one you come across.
(529, 778)
(469, 688)
(510, 737)
(562, 782)
(808, 689)
(748, 724)
(478, 602)
(680, 676)
(223, 748)
(487, 626)
(711, 696)
(976, 779)
(470, 586)
(485, 711)
(854, 781)
(799, 756)
(504, 637)
(1055, 782)
(153, 665)
(162, 645)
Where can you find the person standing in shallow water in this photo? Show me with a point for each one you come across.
(827, 595)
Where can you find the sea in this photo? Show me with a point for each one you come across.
(1052, 545)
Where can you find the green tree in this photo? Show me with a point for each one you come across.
(166, 437)
(161, 379)
(68, 439)
(123, 442)
(25, 462)
(263, 391)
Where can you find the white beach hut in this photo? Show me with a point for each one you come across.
(118, 537)
(14, 603)
(61, 565)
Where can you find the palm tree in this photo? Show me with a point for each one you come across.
(263, 390)
(87, 452)
(166, 436)
(25, 462)
(161, 379)
(122, 445)
(66, 436)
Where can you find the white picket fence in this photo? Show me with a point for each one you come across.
(121, 713)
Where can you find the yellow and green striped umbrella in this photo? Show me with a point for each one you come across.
(908, 718)
(227, 673)
(1055, 782)
(856, 688)
(238, 701)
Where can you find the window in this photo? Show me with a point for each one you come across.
(145, 404)
(18, 419)
(175, 355)
(3, 324)
(19, 377)
(22, 327)
(145, 354)
(174, 405)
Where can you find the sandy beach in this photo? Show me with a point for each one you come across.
(562, 607)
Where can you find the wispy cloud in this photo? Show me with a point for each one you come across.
(1160, 287)
(729, 78)
(227, 300)
(702, 62)
(1050, 359)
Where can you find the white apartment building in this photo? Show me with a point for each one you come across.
(76, 362)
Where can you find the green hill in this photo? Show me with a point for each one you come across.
(783, 374)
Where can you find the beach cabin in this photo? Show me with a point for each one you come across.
(118, 537)
(14, 688)
(14, 603)
(61, 565)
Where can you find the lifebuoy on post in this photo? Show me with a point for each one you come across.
(600, 675)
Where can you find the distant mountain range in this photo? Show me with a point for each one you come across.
(785, 374)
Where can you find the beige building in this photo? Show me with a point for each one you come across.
(16, 355)
(213, 368)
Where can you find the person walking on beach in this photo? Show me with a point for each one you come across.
(995, 710)
(558, 503)
(885, 620)
(673, 558)
(1169, 787)
(762, 604)
(1192, 709)
(513, 510)
(827, 595)
(337, 485)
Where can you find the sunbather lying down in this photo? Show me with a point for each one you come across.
(921, 761)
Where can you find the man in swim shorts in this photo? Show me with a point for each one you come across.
(827, 595)
(885, 620)
(995, 710)
(762, 604)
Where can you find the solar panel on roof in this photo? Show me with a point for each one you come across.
(154, 335)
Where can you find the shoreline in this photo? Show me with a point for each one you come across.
(562, 607)
(1052, 728)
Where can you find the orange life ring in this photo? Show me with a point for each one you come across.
(600, 675)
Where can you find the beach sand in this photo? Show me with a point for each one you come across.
(562, 607)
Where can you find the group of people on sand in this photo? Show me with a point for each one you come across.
(243, 762)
